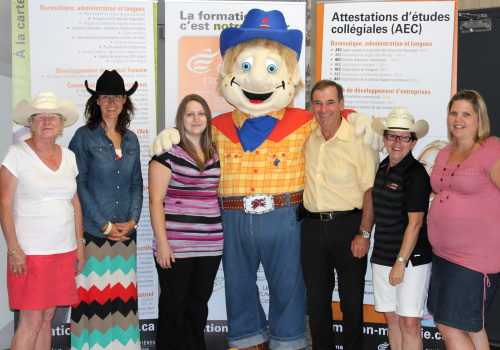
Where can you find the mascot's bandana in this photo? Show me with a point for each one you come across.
(255, 131)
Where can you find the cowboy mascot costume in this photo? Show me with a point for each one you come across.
(260, 145)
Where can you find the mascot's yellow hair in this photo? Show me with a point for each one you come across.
(289, 57)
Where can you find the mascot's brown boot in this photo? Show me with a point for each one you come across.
(262, 346)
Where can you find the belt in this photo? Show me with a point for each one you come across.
(331, 215)
(279, 200)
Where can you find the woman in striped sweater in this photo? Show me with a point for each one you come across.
(186, 221)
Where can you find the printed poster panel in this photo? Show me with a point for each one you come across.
(192, 65)
(66, 43)
(192, 57)
(388, 54)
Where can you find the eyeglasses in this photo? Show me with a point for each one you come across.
(42, 118)
(393, 137)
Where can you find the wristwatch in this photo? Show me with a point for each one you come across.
(83, 240)
(365, 234)
(403, 260)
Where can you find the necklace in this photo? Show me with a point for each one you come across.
(441, 200)
(43, 154)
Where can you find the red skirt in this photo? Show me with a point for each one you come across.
(50, 281)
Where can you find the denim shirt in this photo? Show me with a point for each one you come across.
(109, 189)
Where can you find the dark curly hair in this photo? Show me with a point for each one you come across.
(94, 116)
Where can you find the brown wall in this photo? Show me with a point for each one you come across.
(477, 4)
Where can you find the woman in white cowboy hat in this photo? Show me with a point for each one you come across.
(402, 255)
(110, 187)
(41, 219)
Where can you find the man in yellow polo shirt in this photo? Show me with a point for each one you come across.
(338, 219)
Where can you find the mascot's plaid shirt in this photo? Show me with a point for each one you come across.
(276, 166)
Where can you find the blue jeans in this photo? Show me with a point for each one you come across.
(272, 239)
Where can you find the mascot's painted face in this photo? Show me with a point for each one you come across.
(260, 81)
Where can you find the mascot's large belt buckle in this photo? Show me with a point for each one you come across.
(258, 203)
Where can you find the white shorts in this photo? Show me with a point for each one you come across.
(405, 299)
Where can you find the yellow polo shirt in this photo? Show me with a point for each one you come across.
(338, 171)
(276, 166)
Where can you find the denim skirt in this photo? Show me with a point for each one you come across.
(459, 297)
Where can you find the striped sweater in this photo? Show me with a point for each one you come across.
(192, 213)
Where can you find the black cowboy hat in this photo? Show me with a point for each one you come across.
(111, 83)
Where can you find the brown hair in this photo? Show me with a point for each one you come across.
(289, 57)
(206, 136)
(477, 101)
(94, 115)
(324, 84)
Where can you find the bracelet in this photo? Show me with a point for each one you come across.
(82, 240)
(108, 230)
(14, 251)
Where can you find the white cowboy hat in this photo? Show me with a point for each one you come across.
(401, 120)
(46, 102)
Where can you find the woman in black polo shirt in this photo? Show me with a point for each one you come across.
(401, 258)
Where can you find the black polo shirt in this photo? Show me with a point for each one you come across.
(404, 188)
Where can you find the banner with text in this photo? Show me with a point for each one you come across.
(388, 54)
(192, 65)
(67, 43)
(192, 57)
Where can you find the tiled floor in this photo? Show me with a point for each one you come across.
(493, 346)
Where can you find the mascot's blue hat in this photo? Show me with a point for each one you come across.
(260, 24)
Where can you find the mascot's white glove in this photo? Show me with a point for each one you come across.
(164, 140)
(363, 124)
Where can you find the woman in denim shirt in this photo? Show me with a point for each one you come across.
(110, 188)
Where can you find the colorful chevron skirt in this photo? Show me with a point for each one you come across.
(106, 316)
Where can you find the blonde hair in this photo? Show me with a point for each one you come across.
(477, 101)
(289, 57)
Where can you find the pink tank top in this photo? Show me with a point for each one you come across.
(464, 220)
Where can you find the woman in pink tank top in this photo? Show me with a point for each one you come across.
(463, 225)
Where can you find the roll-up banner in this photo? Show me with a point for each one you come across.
(56, 46)
(387, 54)
(192, 65)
